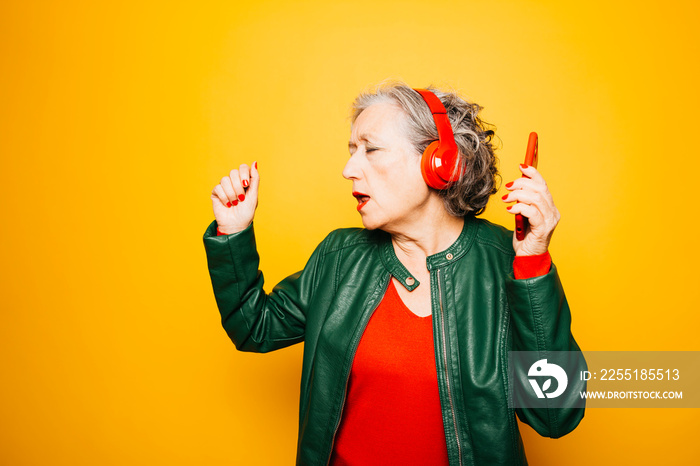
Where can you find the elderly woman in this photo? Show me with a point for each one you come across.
(407, 322)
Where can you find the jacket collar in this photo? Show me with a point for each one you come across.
(450, 255)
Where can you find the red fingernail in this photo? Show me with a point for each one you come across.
(504, 197)
(235, 202)
(228, 204)
(523, 165)
(509, 207)
(509, 184)
(256, 165)
(245, 183)
(241, 197)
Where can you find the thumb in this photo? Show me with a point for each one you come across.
(254, 181)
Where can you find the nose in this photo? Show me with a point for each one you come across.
(351, 170)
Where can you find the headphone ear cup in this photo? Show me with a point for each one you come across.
(428, 168)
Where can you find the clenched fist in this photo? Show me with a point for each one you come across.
(235, 199)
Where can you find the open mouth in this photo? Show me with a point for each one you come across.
(362, 199)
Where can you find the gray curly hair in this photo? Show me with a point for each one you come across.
(477, 167)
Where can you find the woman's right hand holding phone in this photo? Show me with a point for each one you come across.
(235, 199)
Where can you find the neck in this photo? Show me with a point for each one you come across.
(427, 235)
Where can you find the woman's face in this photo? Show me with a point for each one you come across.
(385, 170)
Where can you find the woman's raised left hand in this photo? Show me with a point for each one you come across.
(534, 202)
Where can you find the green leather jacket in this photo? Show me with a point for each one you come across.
(480, 312)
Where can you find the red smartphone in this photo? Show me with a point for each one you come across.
(521, 223)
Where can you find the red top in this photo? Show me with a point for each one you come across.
(392, 409)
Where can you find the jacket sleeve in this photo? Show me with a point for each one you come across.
(542, 323)
(254, 320)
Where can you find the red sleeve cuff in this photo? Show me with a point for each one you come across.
(218, 233)
(532, 266)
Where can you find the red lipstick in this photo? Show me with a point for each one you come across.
(362, 199)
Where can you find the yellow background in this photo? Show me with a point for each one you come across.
(118, 119)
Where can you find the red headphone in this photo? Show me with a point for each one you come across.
(440, 158)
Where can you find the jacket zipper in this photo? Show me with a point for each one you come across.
(447, 372)
(355, 344)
